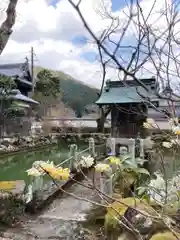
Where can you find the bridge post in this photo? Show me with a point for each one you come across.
(132, 149)
(73, 155)
(36, 185)
(142, 148)
(111, 143)
(92, 147)
(106, 186)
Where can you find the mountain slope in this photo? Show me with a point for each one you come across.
(75, 94)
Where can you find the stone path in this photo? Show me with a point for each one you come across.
(62, 220)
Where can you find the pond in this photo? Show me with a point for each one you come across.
(14, 167)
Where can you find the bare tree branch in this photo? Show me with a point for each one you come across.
(6, 27)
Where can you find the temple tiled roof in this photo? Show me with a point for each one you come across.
(117, 93)
(19, 71)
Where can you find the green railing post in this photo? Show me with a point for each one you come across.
(113, 146)
(36, 185)
(106, 186)
(142, 148)
(132, 149)
(73, 155)
(92, 147)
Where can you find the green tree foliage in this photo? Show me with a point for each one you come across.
(7, 106)
(77, 95)
(7, 84)
(47, 84)
(73, 93)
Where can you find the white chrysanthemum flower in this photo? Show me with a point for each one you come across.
(157, 188)
(102, 167)
(173, 121)
(176, 130)
(175, 141)
(167, 144)
(86, 162)
(34, 172)
(37, 168)
(158, 182)
(150, 123)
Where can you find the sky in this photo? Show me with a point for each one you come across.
(59, 39)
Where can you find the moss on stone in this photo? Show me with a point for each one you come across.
(165, 236)
(118, 208)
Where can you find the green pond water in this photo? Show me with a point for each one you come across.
(14, 167)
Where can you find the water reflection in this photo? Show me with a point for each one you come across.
(14, 167)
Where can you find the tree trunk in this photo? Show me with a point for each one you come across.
(6, 27)
(100, 121)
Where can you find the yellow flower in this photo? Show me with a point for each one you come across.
(42, 165)
(66, 170)
(102, 167)
(115, 160)
(59, 174)
(33, 172)
(167, 144)
(176, 130)
(46, 168)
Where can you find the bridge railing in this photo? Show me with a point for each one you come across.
(43, 182)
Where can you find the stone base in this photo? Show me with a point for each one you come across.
(11, 202)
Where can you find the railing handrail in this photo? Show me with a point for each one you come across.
(72, 119)
(78, 153)
(69, 158)
(37, 183)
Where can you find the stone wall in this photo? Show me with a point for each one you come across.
(16, 125)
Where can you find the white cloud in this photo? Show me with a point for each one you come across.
(50, 31)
